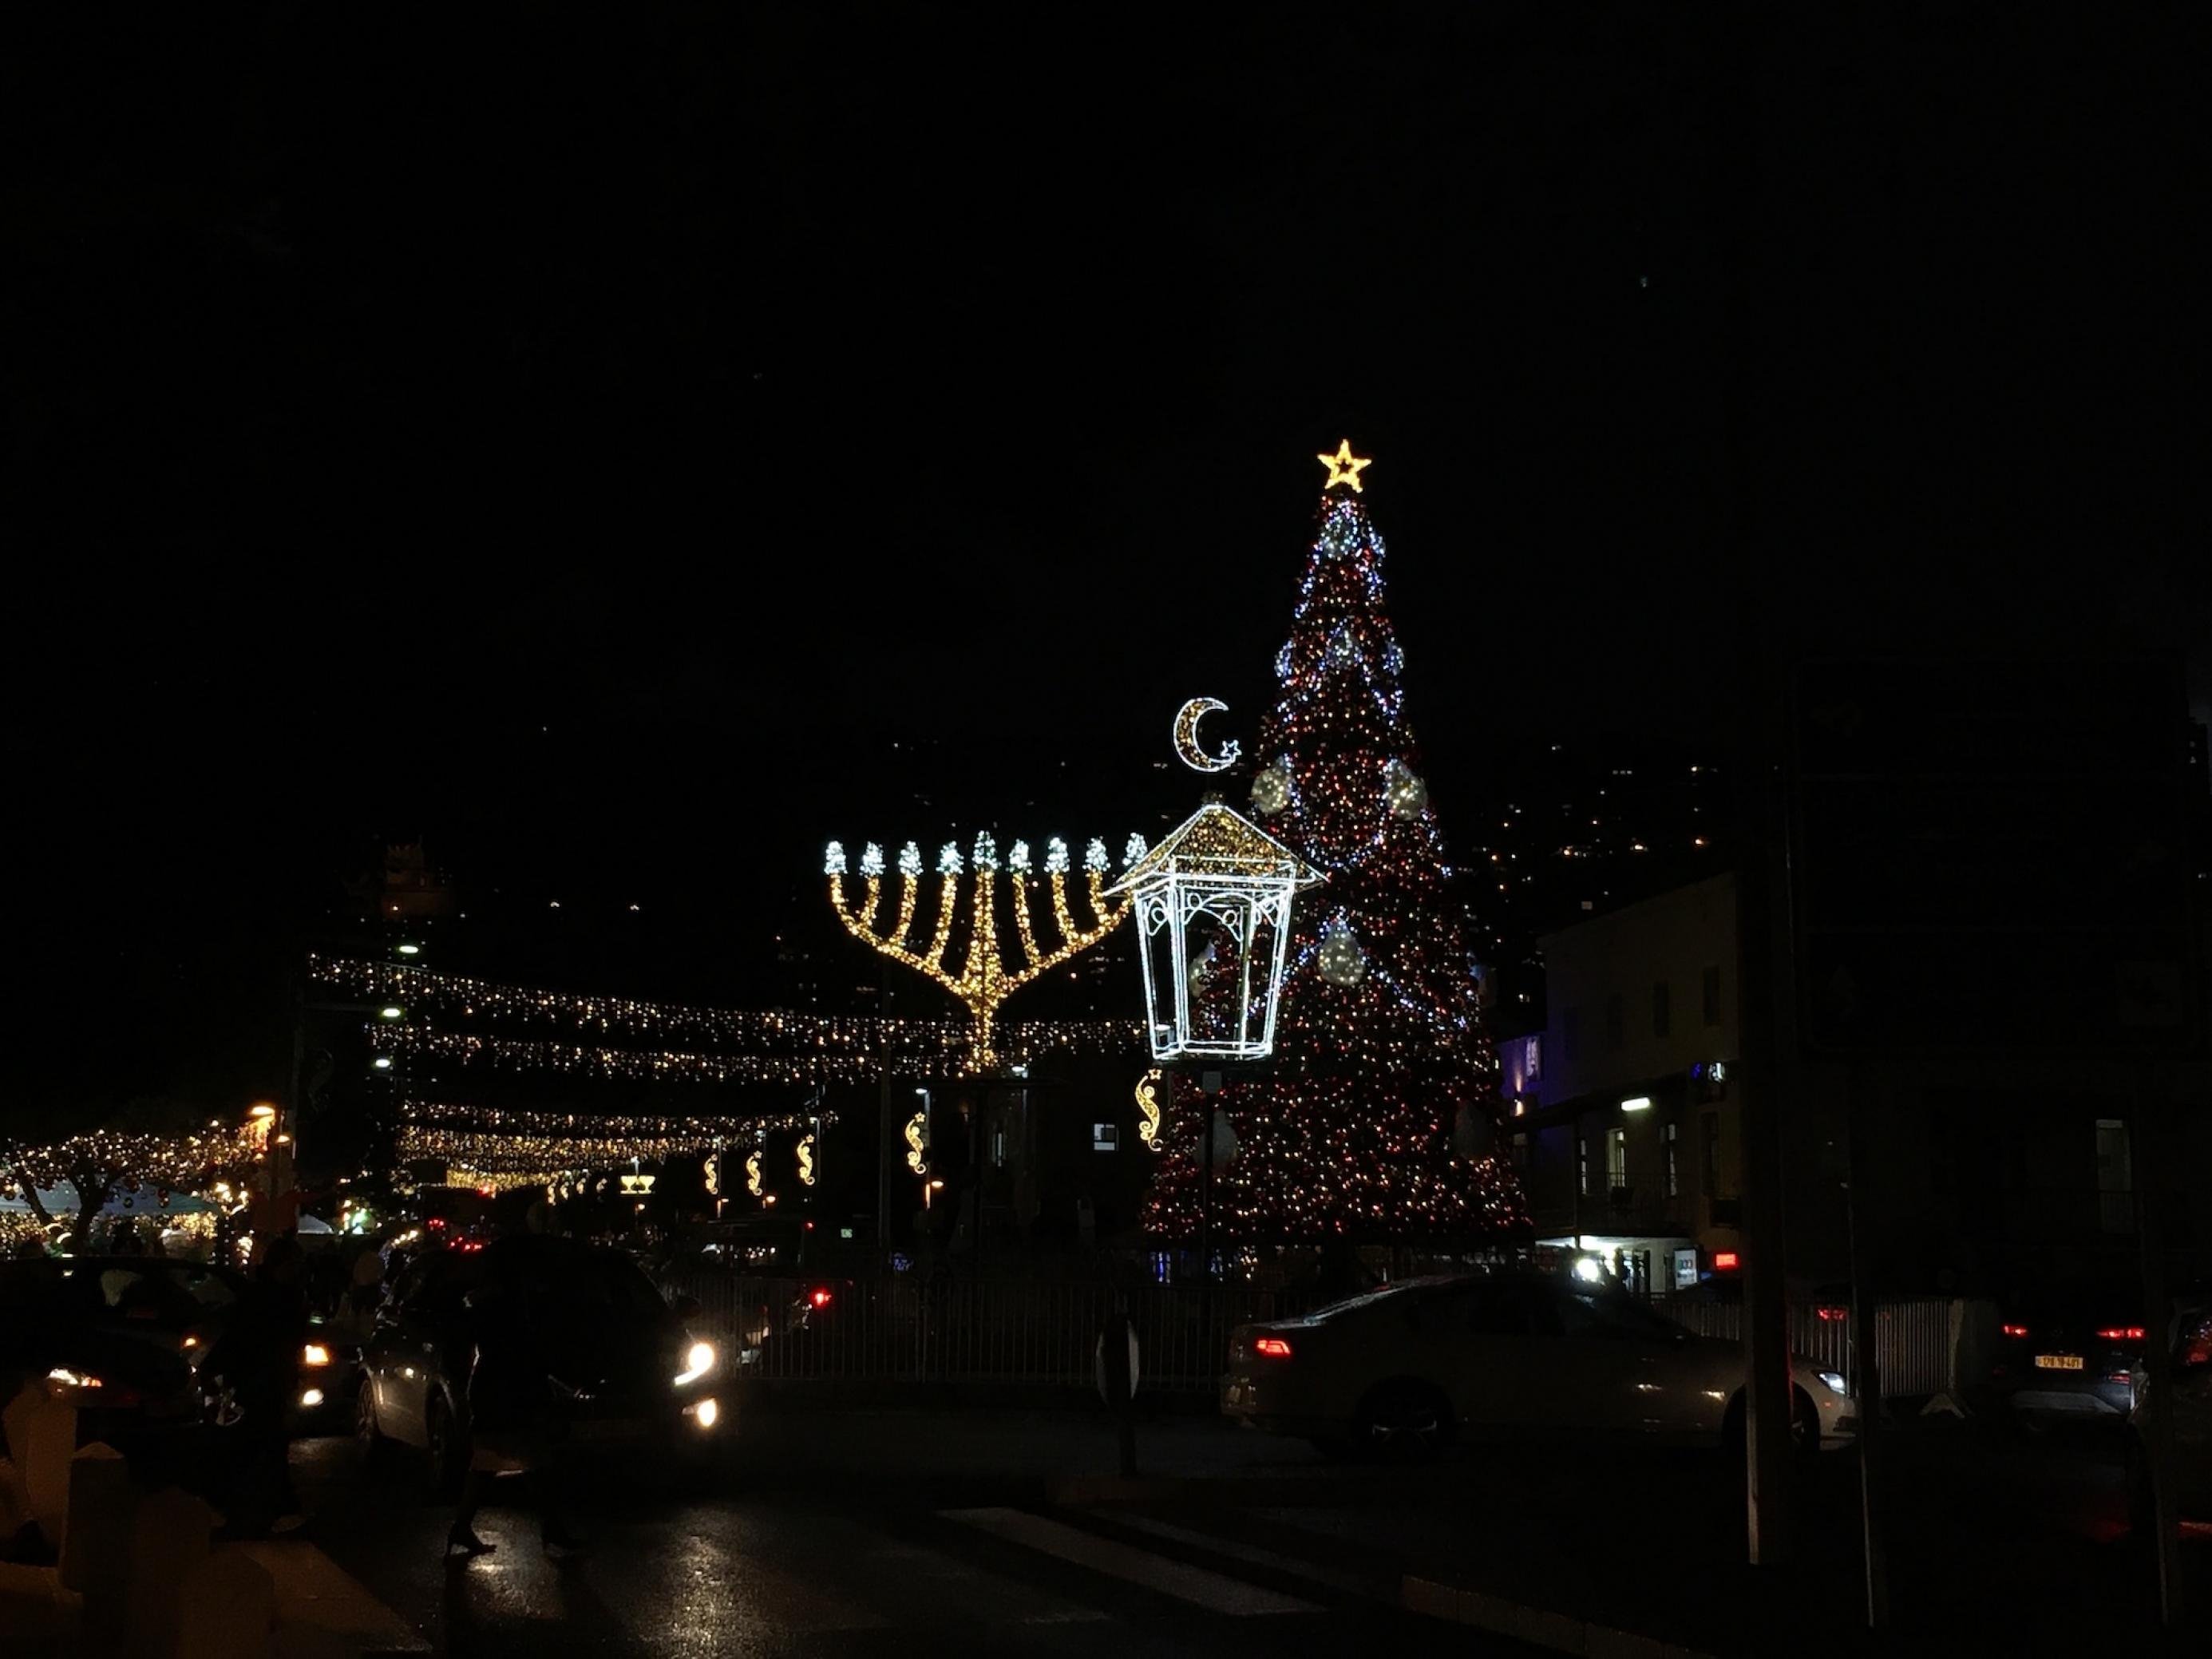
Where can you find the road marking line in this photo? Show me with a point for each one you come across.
(1236, 1549)
(1210, 1590)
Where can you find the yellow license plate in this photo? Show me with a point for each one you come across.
(2058, 1362)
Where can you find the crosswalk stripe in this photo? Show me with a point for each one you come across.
(1210, 1590)
(1237, 1550)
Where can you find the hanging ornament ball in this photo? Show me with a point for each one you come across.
(1271, 790)
(1340, 959)
(1402, 788)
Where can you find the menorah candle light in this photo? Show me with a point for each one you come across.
(982, 980)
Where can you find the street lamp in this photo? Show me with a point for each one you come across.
(1213, 929)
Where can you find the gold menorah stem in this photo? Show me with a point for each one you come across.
(982, 981)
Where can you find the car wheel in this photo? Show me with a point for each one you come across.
(1405, 1422)
(376, 1449)
(445, 1451)
(1804, 1428)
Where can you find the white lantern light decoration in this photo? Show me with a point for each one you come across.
(1213, 900)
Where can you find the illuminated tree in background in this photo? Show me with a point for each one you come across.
(1376, 1118)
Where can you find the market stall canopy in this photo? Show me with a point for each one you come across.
(63, 1200)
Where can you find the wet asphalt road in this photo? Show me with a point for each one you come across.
(742, 1558)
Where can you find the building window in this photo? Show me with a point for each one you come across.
(1616, 1022)
(2116, 1182)
(1670, 1139)
(1616, 1158)
(1709, 1153)
(1712, 995)
(1571, 1033)
(1521, 1151)
(1662, 1014)
(1582, 1165)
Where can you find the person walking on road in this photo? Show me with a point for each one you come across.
(514, 1423)
(257, 1355)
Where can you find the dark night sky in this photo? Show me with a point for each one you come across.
(592, 436)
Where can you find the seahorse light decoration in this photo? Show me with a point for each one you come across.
(806, 1161)
(1148, 1108)
(753, 1174)
(916, 1150)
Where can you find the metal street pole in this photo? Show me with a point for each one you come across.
(1761, 901)
(2158, 1449)
(1866, 1367)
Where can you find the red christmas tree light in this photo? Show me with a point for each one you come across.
(1376, 1118)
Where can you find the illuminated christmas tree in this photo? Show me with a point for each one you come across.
(1377, 1118)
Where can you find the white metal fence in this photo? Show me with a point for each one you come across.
(1917, 1339)
(900, 1328)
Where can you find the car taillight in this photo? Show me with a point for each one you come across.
(1272, 1347)
(1833, 1315)
(2014, 1330)
(820, 1298)
(1726, 1262)
(2121, 1333)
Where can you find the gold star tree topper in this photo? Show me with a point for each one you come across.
(1344, 467)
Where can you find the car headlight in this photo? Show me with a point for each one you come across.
(698, 1360)
(315, 1354)
(1837, 1381)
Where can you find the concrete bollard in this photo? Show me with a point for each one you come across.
(15, 1510)
(96, 1527)
(226, 1605)
(42, 1434)
(168, 1539)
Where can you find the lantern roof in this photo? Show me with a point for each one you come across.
(1215, 842)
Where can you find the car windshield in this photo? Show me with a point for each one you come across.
(207, 1287)
(1597, 1311)
(594, 1290)
(1412, 1287)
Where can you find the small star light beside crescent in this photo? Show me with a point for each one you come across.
(1344, 467)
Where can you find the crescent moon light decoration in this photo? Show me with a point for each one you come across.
(1187, 746)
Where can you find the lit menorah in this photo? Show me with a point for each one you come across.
(982, 980)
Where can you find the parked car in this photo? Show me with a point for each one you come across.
(1404, 1371)
(625, 1371)
(2190, 1369)
(2071, 1360)
(128, 1378)
(183, 1306)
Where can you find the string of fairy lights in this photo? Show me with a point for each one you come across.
(501, 1147)
(417, 1007)
(1024, 1046)
(187, 1161)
